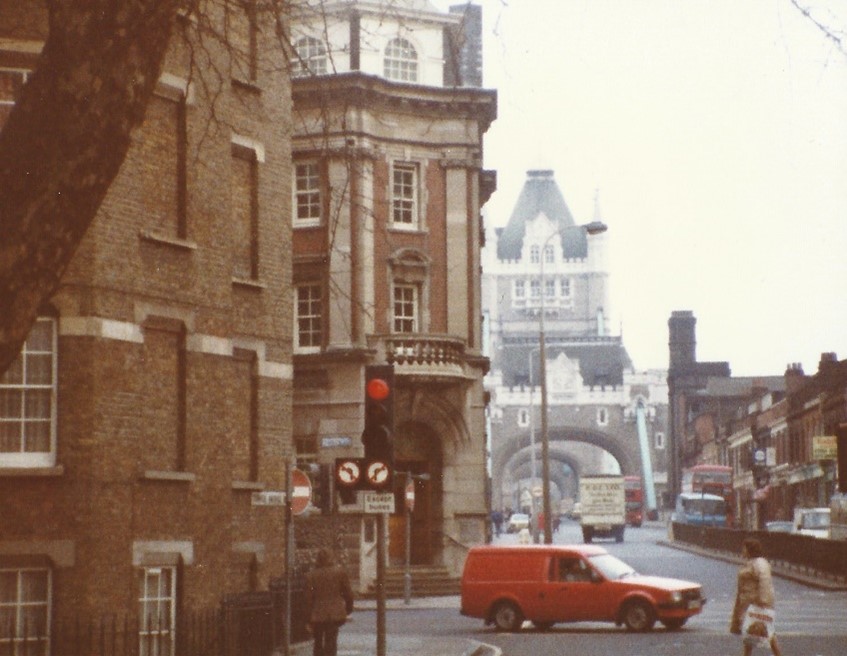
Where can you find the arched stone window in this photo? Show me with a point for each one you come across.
(401, 61)
(310, 58)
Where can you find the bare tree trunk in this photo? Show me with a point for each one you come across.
(65, 140)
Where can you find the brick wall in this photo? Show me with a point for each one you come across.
(165, 427)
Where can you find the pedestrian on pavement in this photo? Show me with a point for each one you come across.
(755, 587)
(497, 520)
(329, 599)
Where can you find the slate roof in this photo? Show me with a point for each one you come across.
(541, 194)
(602, 361)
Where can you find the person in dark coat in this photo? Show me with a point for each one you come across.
(329, 599)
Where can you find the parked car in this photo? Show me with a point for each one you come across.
(547, 584)
(516, 522)
(813, 521)
(779, 527)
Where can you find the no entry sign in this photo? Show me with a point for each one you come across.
(301, 491)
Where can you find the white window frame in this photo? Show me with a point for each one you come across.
(22, 458)
(659, 441)
(602, 416)
(549, 289)
(549, 254)
(311, 57)
(307, 194)
(313, 304)
(405, 195)
(19, 606)
(519, 292)
(149, 599)
(565, 288)
(535, 290)
(405, 297)
(523, 417)
(400, 62)
(535, 254)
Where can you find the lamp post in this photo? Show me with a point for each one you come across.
(593, 228)
(533, 471)
(407, 573)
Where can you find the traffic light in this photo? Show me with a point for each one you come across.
(378, 436)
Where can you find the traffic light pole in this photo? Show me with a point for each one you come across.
(380, 584)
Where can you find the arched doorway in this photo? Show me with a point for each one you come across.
(417, 457)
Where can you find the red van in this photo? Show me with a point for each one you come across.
(546, 584)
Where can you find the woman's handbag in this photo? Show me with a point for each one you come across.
(757, 628)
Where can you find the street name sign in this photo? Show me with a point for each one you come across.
(267, 498)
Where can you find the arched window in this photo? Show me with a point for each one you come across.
(310, 58)
(401, 61)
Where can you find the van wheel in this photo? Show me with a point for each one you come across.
(507, 616)
(638, 616)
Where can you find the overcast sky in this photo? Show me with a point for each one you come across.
(716, 133)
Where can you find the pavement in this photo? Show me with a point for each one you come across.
(357, 644)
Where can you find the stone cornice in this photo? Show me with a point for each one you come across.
(361, 90)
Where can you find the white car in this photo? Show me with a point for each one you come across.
(516, 522)
(813, 521)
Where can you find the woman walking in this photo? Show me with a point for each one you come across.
(755, 588)
(330, 601)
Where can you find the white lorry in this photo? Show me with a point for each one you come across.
(603, 504)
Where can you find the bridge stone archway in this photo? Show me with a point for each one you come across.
(510, 457)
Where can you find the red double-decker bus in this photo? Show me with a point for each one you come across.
(634, 494)
(712, 479)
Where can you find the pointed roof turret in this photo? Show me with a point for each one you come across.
(541, 195)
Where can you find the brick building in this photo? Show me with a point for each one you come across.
(387, 151)
(152, 399)
(769, 430)
(793, 434)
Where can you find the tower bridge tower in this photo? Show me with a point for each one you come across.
(543, 260)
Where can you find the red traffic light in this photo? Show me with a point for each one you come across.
(377, 389)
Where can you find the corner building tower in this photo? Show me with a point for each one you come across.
(388, 186)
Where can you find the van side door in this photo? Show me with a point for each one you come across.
(569, 591)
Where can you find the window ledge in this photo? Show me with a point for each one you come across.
(175, 242)
(306, 225)
(34, 472)
(400, 227)
(249, 486)
(172, 476)
(246, 85)
(246, 283)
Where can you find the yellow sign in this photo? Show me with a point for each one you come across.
(824, 447)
